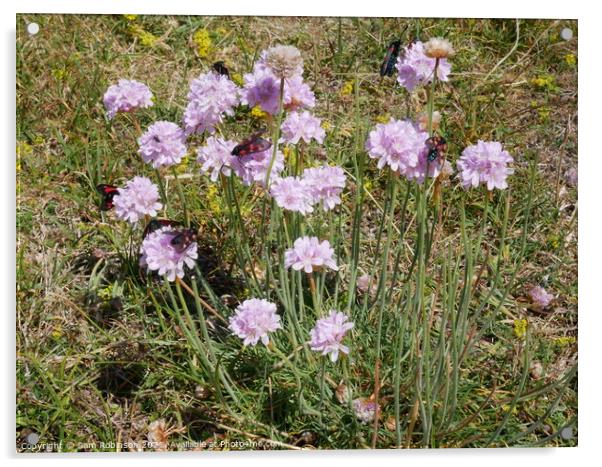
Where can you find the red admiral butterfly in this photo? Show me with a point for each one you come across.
(386, 68)
(220, 68)
(108, 192)
(436, 146)
(252, 145)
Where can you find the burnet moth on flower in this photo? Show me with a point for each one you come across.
(221, 69)
(108, 192)
(156, 224)
(252, 145)
(184, 239)
(436, 146)
(388, 64)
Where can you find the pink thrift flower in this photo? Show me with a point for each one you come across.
(126, 96)
(254, 319)
(292, 194)
(211, 97)
(540, 297)
(158, 254)
(303, 126)
(139, 198)
(309, 254)
(216, 157)
(163, 144)
(485, 163)
(326, 184)
(415, 68)
(365, 409)
(298, 94)
(402, 146)
(328, 333)
(253, 168)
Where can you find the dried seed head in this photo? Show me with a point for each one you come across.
(158, 434)
(343, 394)
(437, 47)
(285, 61)
(423, 120)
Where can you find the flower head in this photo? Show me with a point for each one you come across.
(253, 168)
(328, 333)
(158, 254)
(309, 254)
(437, 47)
(365, 409)
(139, 198)
(253, 320)
(402, 146)
(126, 96)
(211, 97)
(365, 284)
(485, 163)
(284, 61)
(292, 194)
(416, 68)
(325, 184)
(297, 94)
(540, 297)
(302, 125)
(163, 144)
(216, 157)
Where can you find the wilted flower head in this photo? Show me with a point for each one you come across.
(437, 47)
(571, 176)
(253, 168)
(402, 146)
(485, 163)
(365, 409)
(139, 198)
(284, 61)
(302, 125)
(292, 194)
(309, 254)
(328, 333)
(423, 120)
(416, 68)
(211, 96)
(158, 254)
(126, 96)
(540, 297)
(446, 170)
(253, 320)
(325, 184)
(216, 157)
(163, 144)
(365, 284)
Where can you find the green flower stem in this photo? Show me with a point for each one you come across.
(181, 195)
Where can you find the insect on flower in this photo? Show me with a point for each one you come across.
(156, 224)
(220, 68)
(108, 192)
(252, 145)
(386, 68)
(184, 239)
(436, 145)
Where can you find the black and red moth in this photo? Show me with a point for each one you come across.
(108, 192)
(220, 68)
(251, 145)
(184, 239)
(436, 146)
(156, 224)
(386, 68)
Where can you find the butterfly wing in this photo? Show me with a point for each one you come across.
(108, 192)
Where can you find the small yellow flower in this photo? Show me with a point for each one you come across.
(106, 293)
(543, 113)
(286, 151)
(59, 73)
(57, 332)
(367, 185)
(347, 88)
(147, 39)
(326, 125)
(564, 341)
(570, 59)
(520, 328)
(384, 118)
(213, 200)
(131, 17)
(256, 112)
(544, 82)
(236, 79)
(203, 42)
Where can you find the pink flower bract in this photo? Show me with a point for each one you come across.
(253, 320)
(328, 333)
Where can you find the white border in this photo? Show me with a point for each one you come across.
(590, 171)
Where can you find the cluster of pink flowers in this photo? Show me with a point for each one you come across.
(138, 199)
(253, 320)
(540, 297)
(485, 163)
(158, 254)
(126, 96)
(262, 88)
(325, 185)
(309, 254)
(402, 146)
(211, 96)
(328, 333)
(415, 68)
(163, 144)
(292, 194)
(216, 157)
(302, 126)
